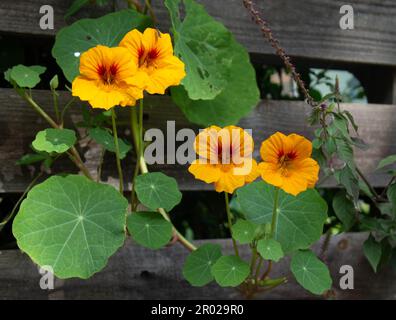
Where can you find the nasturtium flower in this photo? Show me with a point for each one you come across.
(225, 158)
(108, 77)
(153, 53)
(287, 163)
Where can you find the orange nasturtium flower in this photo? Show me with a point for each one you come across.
(288, 163)
(225, 158)
(153, 53)
(108, 77)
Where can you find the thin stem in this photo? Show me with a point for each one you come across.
(267, 33)
(362, 176)
(149, 8)
(227, 204)
(62, 118)
(137, 139)
(73, 153)
(100, 166)
(267, 272)
(141, 142)
(275, 212)
(39, 110)
(117, 150)
(253, 261)
(30, 186)
(56, 105)
(260, 263)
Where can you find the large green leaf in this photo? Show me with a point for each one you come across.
(373, 252)
(71, 224)
(204, 45)
(54, 140)
(239, 97)
(310, 272)
(230, 271)
(106, 140)
(344, 209)
(197, 268)
(149, 229)
(300, 218)
(156, 190)
(84, 34)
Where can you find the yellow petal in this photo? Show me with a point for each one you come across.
(270, 173)
(300, 145)
(228, 182)
(273, 146)
(205, 172)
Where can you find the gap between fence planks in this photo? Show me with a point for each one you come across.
(306, 28)
(19, 125)
(138, 273)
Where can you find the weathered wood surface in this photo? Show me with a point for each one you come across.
(19, 124)
(138, 273)
(306, 28)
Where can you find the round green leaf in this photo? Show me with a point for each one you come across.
(106, 140)
(25, 77)
(243, 231)
(310, 272)
(230, 271)
(197, 268)
(71, 224)
(84, 34)
(149, 229)
(54, 140)
(204, 45)
(237, 100)
(300, 218)
(156, 190)
(270, 249)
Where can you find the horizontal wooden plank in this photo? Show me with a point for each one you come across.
(138, 273)
(306, 28)
(19, 124)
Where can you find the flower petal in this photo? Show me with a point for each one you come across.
(301, 146)
(203, 171)
(270, 173)
(228, 182)
(273, 146)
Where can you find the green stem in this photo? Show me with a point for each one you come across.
(62, 118)
(39, 110)
(30, 186)
(100, 166)
(117, 150)
(227, 203)
(56, 105)
(257, 274)
(137, 139)
(253, 261)
(73, 153)
(275, 212)
(362, 176)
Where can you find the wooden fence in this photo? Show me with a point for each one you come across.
(309, 31)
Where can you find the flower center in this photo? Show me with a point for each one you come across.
(147, 58)
(286, 160)
(224, 154)
(108, 74)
